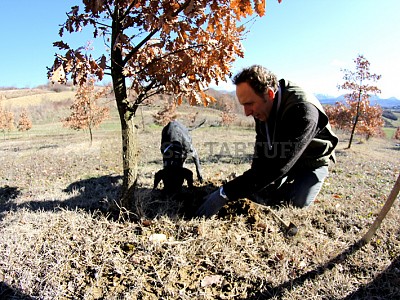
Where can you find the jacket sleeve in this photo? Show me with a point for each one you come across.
(293, 134)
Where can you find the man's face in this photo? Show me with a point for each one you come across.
(253, 104)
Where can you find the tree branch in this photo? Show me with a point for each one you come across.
(142, 96)
(109, 10)
(101, 24)
(152, 33)
(128, 10)
(168, 54)
(138, 46)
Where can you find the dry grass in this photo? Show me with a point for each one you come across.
(18, 98)
(57, 240)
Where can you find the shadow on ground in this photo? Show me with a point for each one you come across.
(100, 194)
(89, 194)
(8, 293)
(385, 286)
(380, 288)
(240, 158)
(8, 193)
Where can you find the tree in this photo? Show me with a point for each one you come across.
(165, 115)
(85, 111)
(396, 135)
(342, 116)
(24, 122)
(6, 120)
(367, 118)
(227, 115)
(169, 46)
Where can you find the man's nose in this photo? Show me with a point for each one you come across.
(248, 111)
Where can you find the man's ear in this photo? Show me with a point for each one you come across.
(270, 93)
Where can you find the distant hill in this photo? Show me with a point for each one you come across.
(389, 103)
(392, 103)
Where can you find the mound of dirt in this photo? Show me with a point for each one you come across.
(188, 202)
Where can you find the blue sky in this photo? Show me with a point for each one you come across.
(306, 41)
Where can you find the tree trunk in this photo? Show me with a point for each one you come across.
(90, 135)
(129, 143)
(129, 161)
(128, 130)
(355, 120)
(352, 131)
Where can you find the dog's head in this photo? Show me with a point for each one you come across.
(173, 178)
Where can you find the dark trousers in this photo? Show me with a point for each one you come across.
(299, 188)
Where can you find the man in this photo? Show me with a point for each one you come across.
(294, 143)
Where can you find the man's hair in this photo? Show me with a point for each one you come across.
(259, 79)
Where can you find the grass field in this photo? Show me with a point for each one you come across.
(58, 240)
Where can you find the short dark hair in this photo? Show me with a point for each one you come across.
(258, 77)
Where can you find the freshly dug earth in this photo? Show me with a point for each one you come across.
(58, 239)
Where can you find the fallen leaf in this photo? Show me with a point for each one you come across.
(157, 238)
(302, 264)
(146, 223)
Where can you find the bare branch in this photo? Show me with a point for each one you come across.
(152, 33)
(127, 11)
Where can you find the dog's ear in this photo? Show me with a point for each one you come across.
(188, 175)
(158, 177)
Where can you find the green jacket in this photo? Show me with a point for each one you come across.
(321, 148)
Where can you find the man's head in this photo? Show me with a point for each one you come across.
(255, 88)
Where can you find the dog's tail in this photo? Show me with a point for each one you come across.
(197, 126)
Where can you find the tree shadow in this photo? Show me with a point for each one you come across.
(215, 158)
(9, 293)
(96, 193)
(101, 195)
(279, 291)
(385, 286)
(8, 193)
(395, 147)
(230, 159)
(92, 194)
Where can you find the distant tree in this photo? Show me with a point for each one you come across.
(339, 115)
(86, 113)
(24, 122)
(227, 114)
(169, 46)
(6, 120)
(166, 114)
(358, 115)
(396, 135)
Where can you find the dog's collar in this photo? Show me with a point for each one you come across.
(166, 149)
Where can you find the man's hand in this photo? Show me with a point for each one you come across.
(212, 204)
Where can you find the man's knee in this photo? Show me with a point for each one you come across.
(307, 187)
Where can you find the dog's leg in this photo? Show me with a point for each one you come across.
(196, 161)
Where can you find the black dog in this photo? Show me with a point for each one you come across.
(176, 146)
